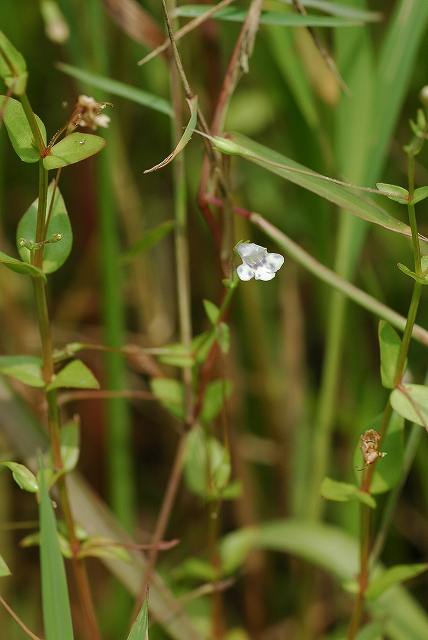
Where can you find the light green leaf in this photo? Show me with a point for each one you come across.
(4, 569)
(216, 393)
(185, 138)
(27, 369)
(344, 197)
(33, 540)
(170, 393)
(411, 402)
(337, 9)
(20, 267)
(212, 311)
(223, 336)
(75, 375)
(286, 19)
(55, 252)
(19, 130)
(101, 547)
(420, 194)
(177, 356)
(120, 89)
(389, 342)
(13, 68)
(408, 272)
(55, 600)
(195, 569)
(392, 576)
(202, 344)
(393, 192)
(73, 148)
(150, 238)
(371, 631)
(70, 445)
(207, 465)
(389, 468)
(343, 492)
(140, 628)
(24, 478)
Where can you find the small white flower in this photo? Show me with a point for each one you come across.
(88, 113)
(257, 262)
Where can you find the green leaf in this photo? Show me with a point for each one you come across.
(392, 576)
(70, 445)
(140, 628)
(343, 196)
(185, 138)
(195, 569)
(343, 492)
(202, 344)
(55, 252)
(393, 192)
(337, 9)
(216, 393)
(177, 356)
(212, 311)
(286, 19)
(388, 469)
(4, 569)
(371, 631)
(170, 394)
(411, 402)
(420, 194)
(120, 89)
(20, 267)
(13, 68)
(151, 238)
(223, 336)
(73, 148)
(24, 478)
(27, 369)
(389, 342)
(408, 272)
(33, 540)
(207, 465)
(101, 547)
(75, 375)
(55, 600)
(19, 130)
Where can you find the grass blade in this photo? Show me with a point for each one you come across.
(140, 628)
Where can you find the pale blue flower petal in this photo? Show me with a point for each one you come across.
(274, 261)
(245, 272)
(262, 273)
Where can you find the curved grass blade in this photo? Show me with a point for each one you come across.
(116, 88)
(140, 628)
(185, 138)
(336, 9)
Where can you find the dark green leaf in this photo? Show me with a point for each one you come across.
(392, 576)
(140, 628)
(73, 148)
(59, 233)
(151, 238)
(55, 600)
(411, 402)
(4, 569)
(20, 267)
(216, 394)
(19, 130)
(393, 192)
(343, 492)
(170, 393)
(13, 68)
(75, 375)
(24, 478)
(27, 369)
(120, 89)
(389, 342)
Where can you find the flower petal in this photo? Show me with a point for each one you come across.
(263, 273)
(245, 272)
(274, 261)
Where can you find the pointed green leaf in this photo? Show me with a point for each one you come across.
(392, 576)
(408, 272)
(20, 267)
(207, 465)
(27, 369)
(101, 547)
(55, 600)
(151, 238)
(19, 130)
(70, 445)
(75, 375)
(170, 393)
(344, 197)
(212, 311)
(216, 394)
(185, 138)
(140, 628)
(343, 492)
(177, 356)
(389, 342)
(73, 148)
(4, 569)
(411, 402)
(59, 233)
(393, 192)
(120, 89)
(33, 540)
(13, 68)
(24, 478)
(420, 194)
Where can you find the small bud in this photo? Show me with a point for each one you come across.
(423, 95)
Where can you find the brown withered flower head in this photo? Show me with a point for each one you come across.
(89, 113)
(370, 441)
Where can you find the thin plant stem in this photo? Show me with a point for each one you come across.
(18, 620)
